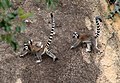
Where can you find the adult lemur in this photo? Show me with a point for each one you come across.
(88, 39)
(39, 49)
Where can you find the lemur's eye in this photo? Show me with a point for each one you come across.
(73, 36)
(25, 48)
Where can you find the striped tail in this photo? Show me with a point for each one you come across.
(98, 19)
(52, 31)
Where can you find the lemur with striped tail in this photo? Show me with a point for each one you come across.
(87, 39)
(116, 10)
(39, 49)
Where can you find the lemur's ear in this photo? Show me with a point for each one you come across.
(75, 33)
(30, 41)
(25, 44)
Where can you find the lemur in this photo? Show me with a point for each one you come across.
(88, 39)
(116, 8)
(110, 1)
(39, 49)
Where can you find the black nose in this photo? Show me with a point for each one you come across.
(77, 36)
(24, 49)
(73, 36)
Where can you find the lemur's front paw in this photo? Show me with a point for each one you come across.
(55, 59)
(21, 56)
(38, 61)
(72, 47)
(88, 50)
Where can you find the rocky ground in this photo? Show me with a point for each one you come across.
(73, 66)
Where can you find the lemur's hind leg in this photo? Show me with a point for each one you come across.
(39, 57)
(50, 54)
(88, 48)
(88, 45)
(95, 48)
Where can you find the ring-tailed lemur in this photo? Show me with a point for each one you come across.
(110, 1)
(37, 48)
(115, 10)
(86, 38)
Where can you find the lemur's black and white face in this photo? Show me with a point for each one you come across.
(75, 35)
(75, 40)
(26, 48)
(27, 45)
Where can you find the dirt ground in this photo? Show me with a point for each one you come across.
(72, 66)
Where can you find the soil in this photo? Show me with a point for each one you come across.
(72, 66)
